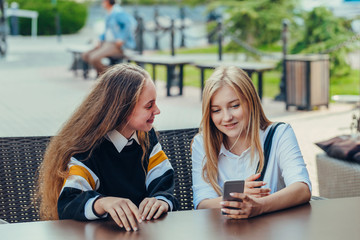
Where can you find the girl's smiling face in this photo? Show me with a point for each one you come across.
(143, 115)
(227, 113)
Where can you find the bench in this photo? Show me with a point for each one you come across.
(20, 158)
(354, 99)
(171, 63)
(248, 67)
(79, 64)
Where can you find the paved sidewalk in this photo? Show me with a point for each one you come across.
(38, 93)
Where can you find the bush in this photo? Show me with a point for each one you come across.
(72, 16)
(325, 32)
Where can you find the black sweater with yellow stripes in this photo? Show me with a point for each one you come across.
(108, 172)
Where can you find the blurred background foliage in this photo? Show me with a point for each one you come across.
(322, 32)
(258, 23)
(72, 16)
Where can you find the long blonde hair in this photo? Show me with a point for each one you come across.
(107, 107)
(240, 82)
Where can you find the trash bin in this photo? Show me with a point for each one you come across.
(307, 81)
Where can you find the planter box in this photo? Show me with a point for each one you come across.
(307, 81)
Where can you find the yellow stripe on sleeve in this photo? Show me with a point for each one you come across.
(156, 160)
(82, 172)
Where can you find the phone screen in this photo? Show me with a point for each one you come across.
(233, 186)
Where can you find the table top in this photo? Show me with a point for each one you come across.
(159, 59)
(79, 48)
(307, 57)
(247, 66)
(346, 98)
(321, 219)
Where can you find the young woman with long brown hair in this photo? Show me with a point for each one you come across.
(106, 160)
(229, 146)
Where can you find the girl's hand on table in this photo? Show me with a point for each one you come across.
(122, 210)
(150, 206)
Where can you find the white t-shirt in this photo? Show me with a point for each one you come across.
(285, 166)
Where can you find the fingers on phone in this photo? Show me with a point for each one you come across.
(237, 195)
(255, 184)
(229, 211)
(260, 191)
(253, 177)
(235, 213)
(232, 204)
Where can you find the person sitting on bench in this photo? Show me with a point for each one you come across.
(118, 35)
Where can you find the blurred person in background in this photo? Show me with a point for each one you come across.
(118, 34)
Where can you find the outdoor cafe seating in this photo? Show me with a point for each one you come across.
(20, 158)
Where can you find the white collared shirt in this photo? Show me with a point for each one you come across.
(120, 141)
(286, 164)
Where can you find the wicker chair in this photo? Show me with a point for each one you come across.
(3, 221)
(176, 145)
(20, 158)
(19, 161)
(337, 178)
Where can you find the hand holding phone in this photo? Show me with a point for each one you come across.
(233, 186)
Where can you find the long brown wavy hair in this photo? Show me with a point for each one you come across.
(240, 82)
(107, 107)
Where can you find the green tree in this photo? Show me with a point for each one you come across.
(150, 2)
(257, 22)
(324, 33)
(72, 16)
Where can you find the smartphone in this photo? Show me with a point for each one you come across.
(233, 186)
(230, 187)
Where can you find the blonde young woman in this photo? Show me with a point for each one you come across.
(229, 146)
(106, 160)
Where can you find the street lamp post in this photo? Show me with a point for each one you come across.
(285, 38)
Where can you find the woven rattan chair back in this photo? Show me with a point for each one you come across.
(20, 158)
(176, 144)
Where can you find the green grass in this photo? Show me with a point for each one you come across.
(271, 79)
(208, 49)
(271, 82)
(339, 85)
(191, 74)
(198, 50)
(345, 85)
(271, 48)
